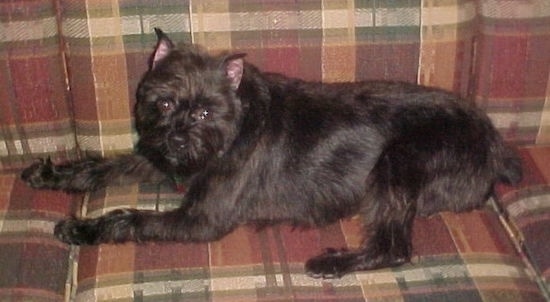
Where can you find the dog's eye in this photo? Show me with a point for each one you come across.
(165, 105)
(203, 114)
(200, 114)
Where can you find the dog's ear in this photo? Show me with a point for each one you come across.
(163, 48)
(234, 67)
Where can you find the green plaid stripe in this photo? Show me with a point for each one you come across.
(132, 20)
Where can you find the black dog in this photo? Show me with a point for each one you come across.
(261, 148)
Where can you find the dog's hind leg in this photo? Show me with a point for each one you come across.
(388, 215)
(388, 245)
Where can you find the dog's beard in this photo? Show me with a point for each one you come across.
(175, 145)
(187, 150)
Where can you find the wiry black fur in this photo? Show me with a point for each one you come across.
(261, 148)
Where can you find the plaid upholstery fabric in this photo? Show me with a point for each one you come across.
(458, 257)
(68, 72)
(316, 40)
(528, 210)
(513, 67)
(35, 116)
(106, 45)
(109, 43)
(33, 265)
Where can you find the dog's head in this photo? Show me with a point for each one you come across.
(187, 110)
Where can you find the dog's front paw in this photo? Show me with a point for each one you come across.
(77, 232)
(331, 264)
(40, 175)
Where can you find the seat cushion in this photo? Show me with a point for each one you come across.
(464, 257)
(457, 257)
(33, 265)
(526, 209)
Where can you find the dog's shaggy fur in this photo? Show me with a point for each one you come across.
(261, 148)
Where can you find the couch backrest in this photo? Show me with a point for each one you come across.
(68, 69)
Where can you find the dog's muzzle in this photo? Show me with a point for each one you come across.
(176, 142)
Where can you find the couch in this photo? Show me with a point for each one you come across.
(68, 72)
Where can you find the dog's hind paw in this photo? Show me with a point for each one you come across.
(331, 264)
(336, 263)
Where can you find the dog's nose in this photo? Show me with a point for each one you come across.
(177, 142)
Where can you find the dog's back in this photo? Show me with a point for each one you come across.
(399, 142)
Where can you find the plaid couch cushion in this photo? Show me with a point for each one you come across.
(35, 113)
(109, 45)
(457, 257)
(34, 266)
(527, 210)
(513, 66)
(492, 51)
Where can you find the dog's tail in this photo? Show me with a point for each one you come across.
(508, 165)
